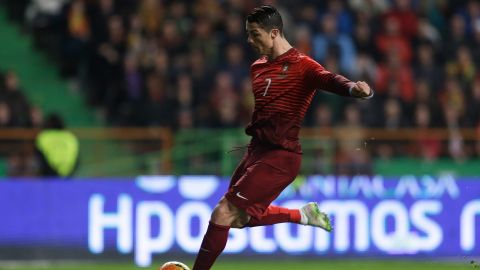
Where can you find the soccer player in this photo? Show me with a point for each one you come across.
(283, 82)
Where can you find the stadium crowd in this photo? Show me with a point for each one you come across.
(185, 64)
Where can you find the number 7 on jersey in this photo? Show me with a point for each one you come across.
(269, 81)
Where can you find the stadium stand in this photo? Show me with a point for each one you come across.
(185, 64)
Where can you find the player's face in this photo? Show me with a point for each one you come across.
(259, 39)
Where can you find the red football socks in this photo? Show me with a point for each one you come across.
(274, 215)
(214, 242)
(216, 237)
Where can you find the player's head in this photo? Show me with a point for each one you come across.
(264, 24)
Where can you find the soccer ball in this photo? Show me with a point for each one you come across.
(174, 266)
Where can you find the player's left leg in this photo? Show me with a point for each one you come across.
(224, 216)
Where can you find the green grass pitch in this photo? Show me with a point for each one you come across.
(246, 264)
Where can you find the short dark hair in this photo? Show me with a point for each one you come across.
(54, 121)
(267, 18)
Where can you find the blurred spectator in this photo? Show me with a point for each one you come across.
(364, 40)
(178, 13)
(136, 41)
(323, 116)
(343, 16)
(365, 69)
(15, 112)
(455, 141)
(151, 13)
(201, 75)
(394, 116)
(403, 13)
(453, 98)
(185, 101)
(331, 43)
(36, 117)
(303, 40)
(457, 36)
(205, 41)
(225, 102)
(436, 12)
(462, 67)
(235, 63)
(15, 98)
(210, 9)
(185, 119)
(307, 16)
(42, 18)
(352, 156)
(234, 31)
(322, 152)
(109, 67)
(56, 148)
(392, 40)
(101, 11)
(158, 110)
(17, 164)
(470, 12)
(246, 101)
(427, 146)
(171, 39)
(5, 115)
(133, 79)
(425, 95)
(426, 68)
(395, 78)
(76, 37)
(473, 104)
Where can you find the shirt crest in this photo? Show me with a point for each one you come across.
(285, 68)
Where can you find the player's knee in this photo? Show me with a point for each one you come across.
(224, 213)
(241, 221)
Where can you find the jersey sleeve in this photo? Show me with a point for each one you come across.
(317, 77)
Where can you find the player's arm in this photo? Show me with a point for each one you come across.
(317, 77)
(361, 89)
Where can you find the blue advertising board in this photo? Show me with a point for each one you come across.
(151, 215)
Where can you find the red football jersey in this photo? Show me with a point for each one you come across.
(283, 89)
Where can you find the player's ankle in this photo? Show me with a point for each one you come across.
(303, 218)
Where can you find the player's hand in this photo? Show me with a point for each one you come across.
(361, 89)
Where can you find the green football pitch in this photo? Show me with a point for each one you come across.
(264, 264)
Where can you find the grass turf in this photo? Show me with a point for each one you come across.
(262, 264)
